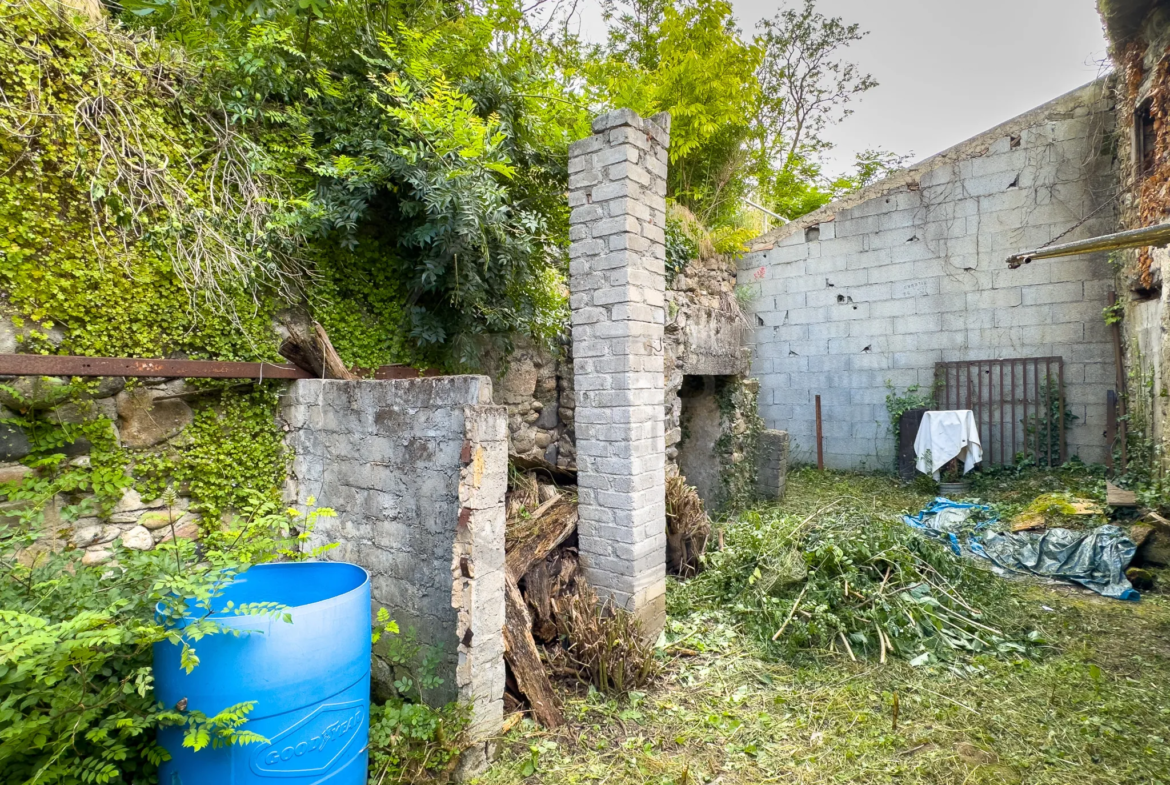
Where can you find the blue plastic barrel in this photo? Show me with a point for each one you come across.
(310, 681)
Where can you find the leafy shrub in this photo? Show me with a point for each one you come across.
(76, 698)
(410, 740)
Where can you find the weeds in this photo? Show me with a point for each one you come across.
(607, 645)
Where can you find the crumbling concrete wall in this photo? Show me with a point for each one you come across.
(1140, 45)
(416, 470)
(911, 271)
(617, 193)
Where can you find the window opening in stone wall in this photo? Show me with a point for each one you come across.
(702, 427)
(1145, 137)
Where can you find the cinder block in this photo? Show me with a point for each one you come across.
(1067, 292)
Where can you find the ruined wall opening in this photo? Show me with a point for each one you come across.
(702, 427)
(1144, 139)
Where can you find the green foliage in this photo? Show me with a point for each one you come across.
(850, 580)
(680, 249)
(54, 477)
(76, 694)
(409, 740)
(898, 404)
(231, 451)
(686, 57)
(1042, 430)
(80, 225)
(738, 446)
(431, 142)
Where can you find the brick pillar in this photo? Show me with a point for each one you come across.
(617, 192)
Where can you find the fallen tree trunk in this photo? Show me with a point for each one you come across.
(522, 657)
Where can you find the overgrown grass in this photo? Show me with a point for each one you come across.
(1089, 707)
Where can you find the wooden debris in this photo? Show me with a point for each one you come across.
(314, 354)
(522, 657)
(687, 528)
(552, 527)
(1139, 533)
(1117, 497)
(511, 721)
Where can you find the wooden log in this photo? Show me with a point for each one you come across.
(334, 367)
(538, 590)
(552, 529)
(314, 354)
(524, 660)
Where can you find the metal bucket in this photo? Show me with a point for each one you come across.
(309, 680)
(953, 490)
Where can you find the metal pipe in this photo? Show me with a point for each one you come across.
(766, 211)
(68, 365)
(1134, 238)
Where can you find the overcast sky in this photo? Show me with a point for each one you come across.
(950, 69)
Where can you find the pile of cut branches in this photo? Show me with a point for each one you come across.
(846, 579)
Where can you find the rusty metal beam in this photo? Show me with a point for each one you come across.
(1156, 236)
(64, 365)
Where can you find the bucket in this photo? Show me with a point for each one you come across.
(953, 490)
(309, 680)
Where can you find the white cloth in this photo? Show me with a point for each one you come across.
(946, 435)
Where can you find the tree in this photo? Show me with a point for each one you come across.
(804, 88)
(686, 57)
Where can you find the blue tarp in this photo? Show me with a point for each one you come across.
(1095, 559)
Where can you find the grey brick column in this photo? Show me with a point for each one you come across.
(617, 192)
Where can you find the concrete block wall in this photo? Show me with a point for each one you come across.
(911, 271)
(617, 193)
(416, 470)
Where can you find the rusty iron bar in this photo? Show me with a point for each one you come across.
(68, 365)
(1015, 437)
(1110, 428)
(1063, 435)
(1002, 422)
(820, 442)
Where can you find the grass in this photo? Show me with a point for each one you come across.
(1092, 706)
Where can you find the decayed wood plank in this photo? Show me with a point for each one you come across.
(553, 528)
(315, 354)
(1118, 497)
(520, 652)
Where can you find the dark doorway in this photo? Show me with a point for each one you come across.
(702, 427)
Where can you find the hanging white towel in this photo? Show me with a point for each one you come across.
(946, 435)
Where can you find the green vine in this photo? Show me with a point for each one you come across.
(232, 449)
(738, 446)
(898, 404)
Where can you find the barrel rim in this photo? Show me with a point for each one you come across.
(291, 608)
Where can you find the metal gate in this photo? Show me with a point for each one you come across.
(1018, 405)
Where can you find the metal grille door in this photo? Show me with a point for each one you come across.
(1018, 404)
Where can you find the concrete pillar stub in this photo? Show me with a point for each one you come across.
(617, 192)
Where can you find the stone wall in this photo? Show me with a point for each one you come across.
(911, 271)
(1140, 53)
(416, 470)
(146, 413)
